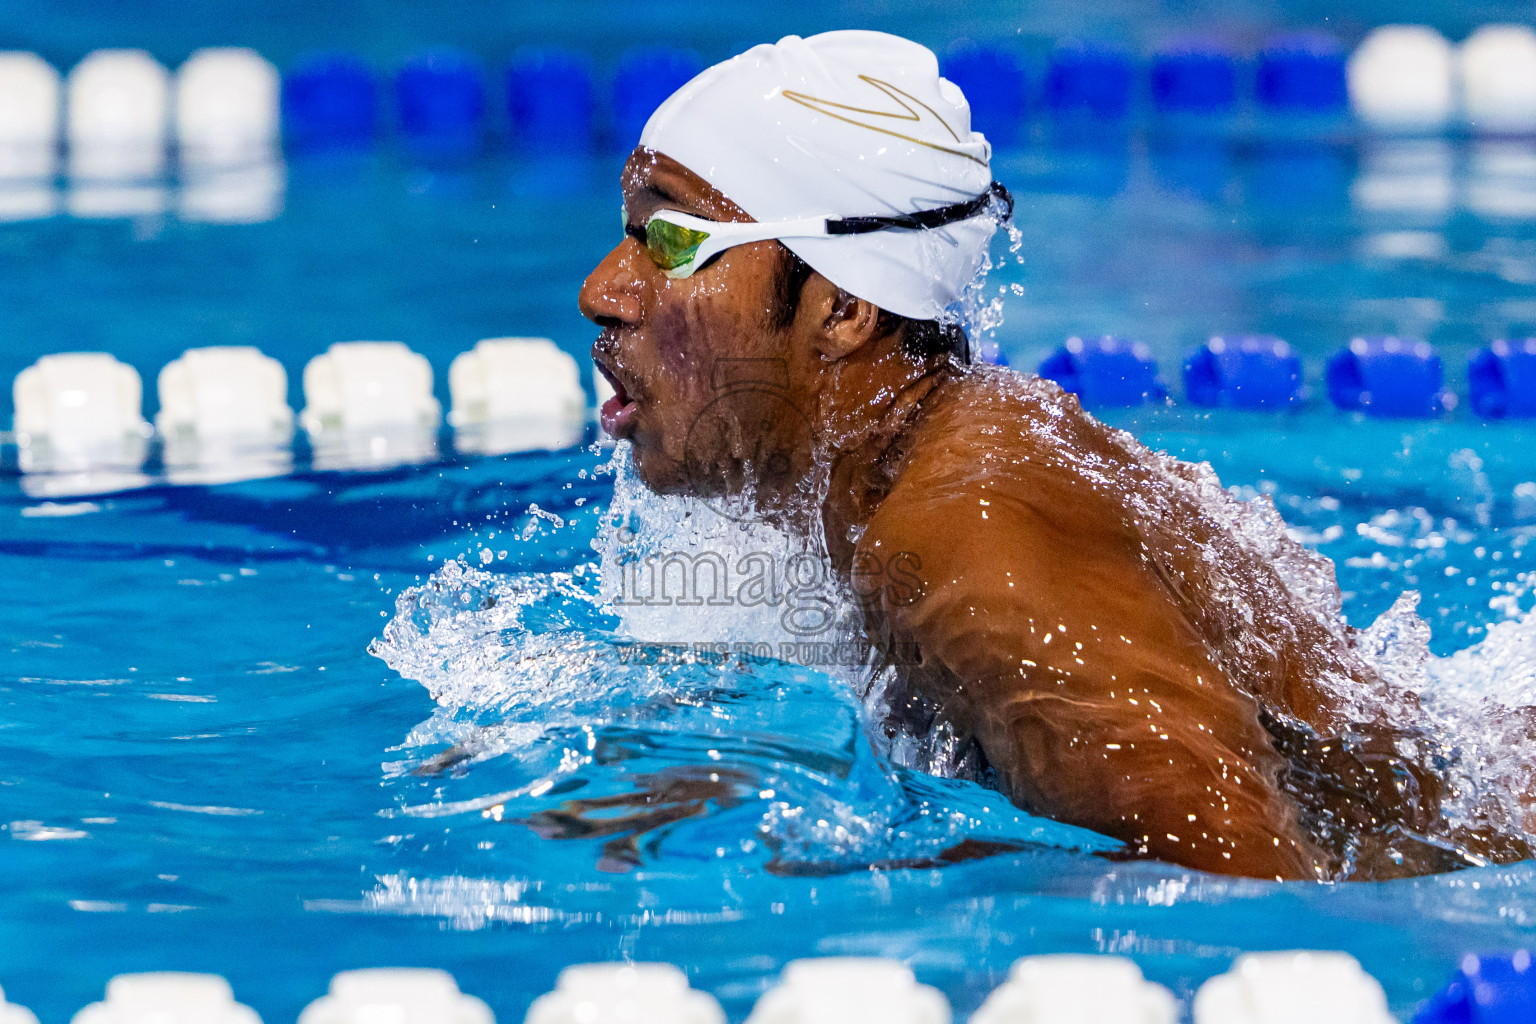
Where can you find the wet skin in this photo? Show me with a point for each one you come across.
(1122, 658)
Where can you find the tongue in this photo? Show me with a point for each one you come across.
(616, 414)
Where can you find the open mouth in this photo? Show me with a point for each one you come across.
(617, 414)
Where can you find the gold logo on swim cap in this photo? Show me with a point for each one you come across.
(911, 111)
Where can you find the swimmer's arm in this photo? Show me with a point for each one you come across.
(1087, 691)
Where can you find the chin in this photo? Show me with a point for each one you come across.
(657, 470)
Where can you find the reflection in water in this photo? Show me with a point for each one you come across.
(554, 176)
(116, 181)
(62, 466)
(1404, 245)
(1298, 172)
(1501, 179)
(1406, 176)
(27, 170)
(110, 179)
(373, 449)
(441, 181)
(680, 792)
(660, 799)
(1091, 160)
(108, 200)
(113, 159)
(28, 160)
(1192, 166)
(61, 470)
(247, 194)
(82, 483)
(505, 437)
(24, 199)
(223, 460)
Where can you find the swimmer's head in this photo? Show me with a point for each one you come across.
(876, 206)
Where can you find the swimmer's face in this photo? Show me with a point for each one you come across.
(662, 340)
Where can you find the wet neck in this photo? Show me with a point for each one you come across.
(870, 402)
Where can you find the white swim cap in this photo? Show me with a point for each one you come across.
(843, 124)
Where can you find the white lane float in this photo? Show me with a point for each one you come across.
(369, 404)
(1497, 66)
(117, 122)
(515, 394)
(226, 107)
(614, 993)
(29, 136)
(1402, 78)
(229, 138)
(167, 997)
(29, 116)
(1301, 986)
(13, 1013)
(224, 391)
(224, 415)
(1069, 989)
(850, 988)
(79, 406)
(118, 115)
(396, 995)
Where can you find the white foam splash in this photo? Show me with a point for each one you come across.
(675, 569)
(1500, 669)
(448, 635)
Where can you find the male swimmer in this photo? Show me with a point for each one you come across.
(1126, 654)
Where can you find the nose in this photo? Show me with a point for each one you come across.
(611, 294)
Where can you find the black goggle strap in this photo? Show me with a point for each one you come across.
(925, 220)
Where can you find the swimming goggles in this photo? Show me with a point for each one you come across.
(680, 243)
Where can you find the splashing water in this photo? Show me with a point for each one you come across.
(677, 648)
(677, 570)
(978, 313)
(669, 710)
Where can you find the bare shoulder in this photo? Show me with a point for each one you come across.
(991, 527)
(997, 459)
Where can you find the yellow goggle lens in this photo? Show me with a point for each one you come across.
(672, 246)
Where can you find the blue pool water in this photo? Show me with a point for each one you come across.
(204, 767)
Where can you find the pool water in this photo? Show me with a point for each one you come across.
(205, 768)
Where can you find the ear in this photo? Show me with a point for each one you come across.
(845, 323)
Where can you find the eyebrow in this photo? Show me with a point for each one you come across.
(665, 197)
(652, 197)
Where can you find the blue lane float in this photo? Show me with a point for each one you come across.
(645, 78)
(995, 84)
(1488, 989)
(330, 100)
(440, 98)
(1501, 379)
(1088, 79)
(1387, 377)
(551, 99)
(1194, 78)
(1302, 73)
(1247, 372)
(1105, 372)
